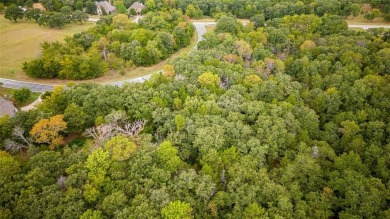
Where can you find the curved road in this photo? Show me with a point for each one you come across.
(8, 83)
(200, 29)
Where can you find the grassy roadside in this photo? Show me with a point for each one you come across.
(20, 42)
(210, 28)
(8, 92)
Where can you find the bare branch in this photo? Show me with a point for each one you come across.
(13, 146)
(102, 133)
(19, 132)
(132, 129)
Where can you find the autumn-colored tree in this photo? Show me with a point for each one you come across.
(209, 79)
(48, 131)
(308, 45)
(168, 71)
(251, 80)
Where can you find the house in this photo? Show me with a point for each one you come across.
(7, 108)
(137, 7)
(39, 6)
(106, 6)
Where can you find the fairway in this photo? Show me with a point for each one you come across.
(20, 42)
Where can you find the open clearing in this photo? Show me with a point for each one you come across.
(20, 42)
(359, 20)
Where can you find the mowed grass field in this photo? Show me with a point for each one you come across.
(20, 42)
(359, 20)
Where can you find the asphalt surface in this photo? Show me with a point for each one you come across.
(8, 83)
(368, 26)
(200, 29)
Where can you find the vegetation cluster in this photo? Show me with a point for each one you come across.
(114, 43)
(287, 120)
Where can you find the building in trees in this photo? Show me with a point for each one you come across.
(104, 7)
(7, 107)
(137, 7)
(39, 6)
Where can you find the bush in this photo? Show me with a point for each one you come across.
(22, 94)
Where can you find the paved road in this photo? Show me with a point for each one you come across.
(8, 83)
(368, 26)
(200, 29)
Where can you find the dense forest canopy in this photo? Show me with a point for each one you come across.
(284, 120)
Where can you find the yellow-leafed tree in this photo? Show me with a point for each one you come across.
(168, 71)
(47, 131)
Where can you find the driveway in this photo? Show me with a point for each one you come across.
(201, 28)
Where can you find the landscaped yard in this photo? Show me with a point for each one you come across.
(20, 42)
(8, 92)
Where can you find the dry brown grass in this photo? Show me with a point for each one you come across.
(20, 42)
(27, 47)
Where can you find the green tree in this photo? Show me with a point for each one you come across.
(227, 25)
(13, 13)
(168, 158)
(33, 14)
(75, 118)
(120, 148)
(57, 20)
(79, 16)
(258, 20)
(209, 79)
(114, 202)
(133, 12)
(9, 167)
(97, 165)
(120, 7)
(193, 11)
(22, 94)
(90, 7)
(177, 210)
(91, 214)
(150, 5)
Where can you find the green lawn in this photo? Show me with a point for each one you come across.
(20, 42)
(210, 28)
(8, 92)
(359, 20)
